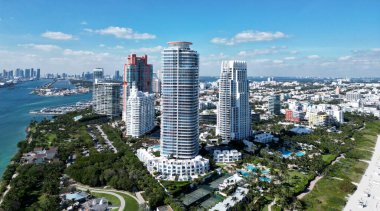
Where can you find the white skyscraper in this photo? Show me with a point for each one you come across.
(179, 101)
(140, 112)
(234, 116)
(179, 158)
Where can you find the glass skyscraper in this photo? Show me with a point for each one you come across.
(179, 101)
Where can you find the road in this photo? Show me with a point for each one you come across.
(139, 200)
(108, 142)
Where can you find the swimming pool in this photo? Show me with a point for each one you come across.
(155, 147)
(251, 168)
(244, 173)
(265, 171)
(265, 179)
(285, 153)
(300, 154)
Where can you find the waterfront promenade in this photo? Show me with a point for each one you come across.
(367, 194)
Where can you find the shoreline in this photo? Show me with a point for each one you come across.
(367, 194)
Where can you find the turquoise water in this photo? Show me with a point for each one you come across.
(155, 147)
(300, 154)
(244, 173)
(285, 153)
(15, 104)
(251, 168)
(265, 179)
(265, 171)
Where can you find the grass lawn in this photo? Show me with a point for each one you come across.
(330, 193)
(349, 169)
(130, 203)
(298, 181)
(51, 137)
(175, 186)
(328, 158)
(111, 199)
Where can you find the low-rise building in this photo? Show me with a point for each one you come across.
(232, 180)
(174, 169)
(226, 156)
(264, 138)
(39, 155)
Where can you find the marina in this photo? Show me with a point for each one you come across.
(59, 88)
(62, 109)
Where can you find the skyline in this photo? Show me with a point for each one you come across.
(324, 38)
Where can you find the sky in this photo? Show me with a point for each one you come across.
(327, 38)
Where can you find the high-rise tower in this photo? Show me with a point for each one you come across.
(234, 117)
(179, 101)
(140, 73)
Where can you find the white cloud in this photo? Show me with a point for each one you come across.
(83, 23)
(69, 52)
(258, 52)
(313, 57)
(249, 36)
(41, 47)
(290, 58)
(155, 49)
(102, 45)
(118, 47)
(277, 61)
(122, 33)
(57, 36)
(344, 58)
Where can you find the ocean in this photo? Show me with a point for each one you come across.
(15, 104)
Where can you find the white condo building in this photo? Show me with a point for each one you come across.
(179, 117)
(140, 113)
(233, 119)
(179, 101)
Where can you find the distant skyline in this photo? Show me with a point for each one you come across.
(327, 38)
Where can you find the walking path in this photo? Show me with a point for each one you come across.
(8, 188)
(367, 194)
(140, 201)
(316, 179)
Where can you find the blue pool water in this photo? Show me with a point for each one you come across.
(265, 171)
(155, 147)
(265, 179)
(285, 153)
(251, 168)
(244, 173)
(300, 154)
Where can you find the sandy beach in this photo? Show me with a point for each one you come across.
(367, 195)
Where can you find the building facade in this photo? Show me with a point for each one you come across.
(140, 73)
(98, 74)
(184, 169)
(179, 101)
(234, 116)
(106, 99)
(226, 156)
(274, 104)
(140, 113)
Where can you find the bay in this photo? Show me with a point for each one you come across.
(15, 104)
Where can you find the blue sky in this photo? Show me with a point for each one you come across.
(276, 38)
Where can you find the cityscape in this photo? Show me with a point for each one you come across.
(259, 120)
